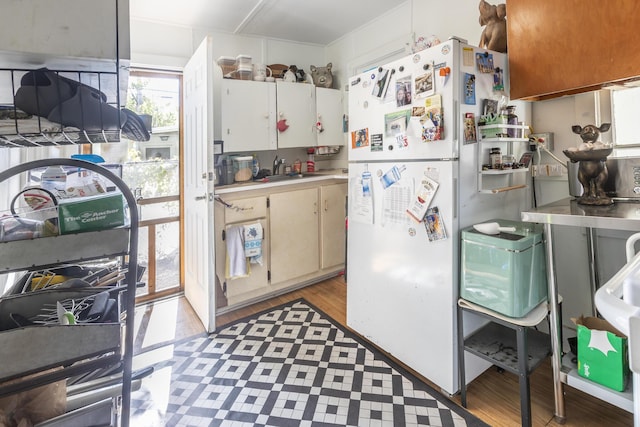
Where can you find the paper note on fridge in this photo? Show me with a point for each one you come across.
(422, 199)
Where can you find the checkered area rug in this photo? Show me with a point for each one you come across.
(294, 366)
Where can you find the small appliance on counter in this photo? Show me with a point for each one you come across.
(504, 272)
(623, 183)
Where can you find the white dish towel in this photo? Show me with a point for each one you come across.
(253, 235)
(236, 259)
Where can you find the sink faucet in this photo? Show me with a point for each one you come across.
(276, 165)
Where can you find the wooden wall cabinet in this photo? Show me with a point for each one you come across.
(572, 46)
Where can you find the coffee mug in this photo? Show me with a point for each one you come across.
(261, 70)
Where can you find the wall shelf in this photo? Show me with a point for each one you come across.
(494, 181)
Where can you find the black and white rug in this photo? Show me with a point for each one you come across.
(290, 366)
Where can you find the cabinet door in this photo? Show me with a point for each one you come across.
(244, 102)
(297, 106)
(244, 212)
(330, 113)
(332, 224)
(550, 57)
(293, 222)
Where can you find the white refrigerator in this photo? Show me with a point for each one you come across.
(407, 153)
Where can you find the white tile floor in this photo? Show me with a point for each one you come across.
(290, 366)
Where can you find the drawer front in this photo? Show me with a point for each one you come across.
(246, 209)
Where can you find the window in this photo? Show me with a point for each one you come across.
(152, 170)
(625, 113)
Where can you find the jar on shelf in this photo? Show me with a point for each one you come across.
(512, 119)
(495, 158)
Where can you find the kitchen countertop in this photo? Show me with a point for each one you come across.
(322, 175)
(618, 216)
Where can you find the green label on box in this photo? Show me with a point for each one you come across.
(90, 213)
(602, 357)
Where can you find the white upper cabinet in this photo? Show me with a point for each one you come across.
(260, 116)
(297, 111)
(248, 115)
(330, 115)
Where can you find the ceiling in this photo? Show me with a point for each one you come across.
(319, 22)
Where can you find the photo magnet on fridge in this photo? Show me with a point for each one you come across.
(469, 89)
(424, 82)
(396, 123)
(381, 82)
(422, 199)
(403, 91)
(432, 121)
(470, 134)
(484, 62)
(498, 80)
(360, 138)
(376, 142)
(434, 225)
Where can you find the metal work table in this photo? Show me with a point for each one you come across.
(619, 216)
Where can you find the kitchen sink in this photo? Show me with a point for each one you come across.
(278, 178)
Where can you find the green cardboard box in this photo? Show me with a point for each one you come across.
(78, 215)
(602, 353)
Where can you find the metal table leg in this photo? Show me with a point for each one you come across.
(556, 329)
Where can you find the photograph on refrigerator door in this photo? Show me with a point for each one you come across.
(432, 121)
(403, 91)
(435, 225)
(360, 138)
(381, 83)
(424, 83)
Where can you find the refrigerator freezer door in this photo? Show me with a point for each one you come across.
(401, 288)
(393, 125)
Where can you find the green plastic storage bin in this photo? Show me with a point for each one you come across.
(504, 272)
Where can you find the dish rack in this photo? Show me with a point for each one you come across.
(41, 354)
(71, 106)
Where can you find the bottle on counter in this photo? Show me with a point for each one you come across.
(255, 166)
(311, 164)
(297, 166)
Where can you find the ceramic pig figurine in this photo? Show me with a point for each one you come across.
(322, 76)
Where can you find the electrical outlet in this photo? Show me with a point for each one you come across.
(545, 139)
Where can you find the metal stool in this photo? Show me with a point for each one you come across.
(496, 342)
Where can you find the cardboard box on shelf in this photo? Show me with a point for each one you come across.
(77, 215)
(602, 353)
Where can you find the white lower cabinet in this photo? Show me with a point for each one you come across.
(333, 206)
(294, 230)
(304, 239)
(244, 212)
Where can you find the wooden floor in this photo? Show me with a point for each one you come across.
(493, 397)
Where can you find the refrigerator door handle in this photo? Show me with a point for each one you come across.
(455, 198)
(456, 109)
